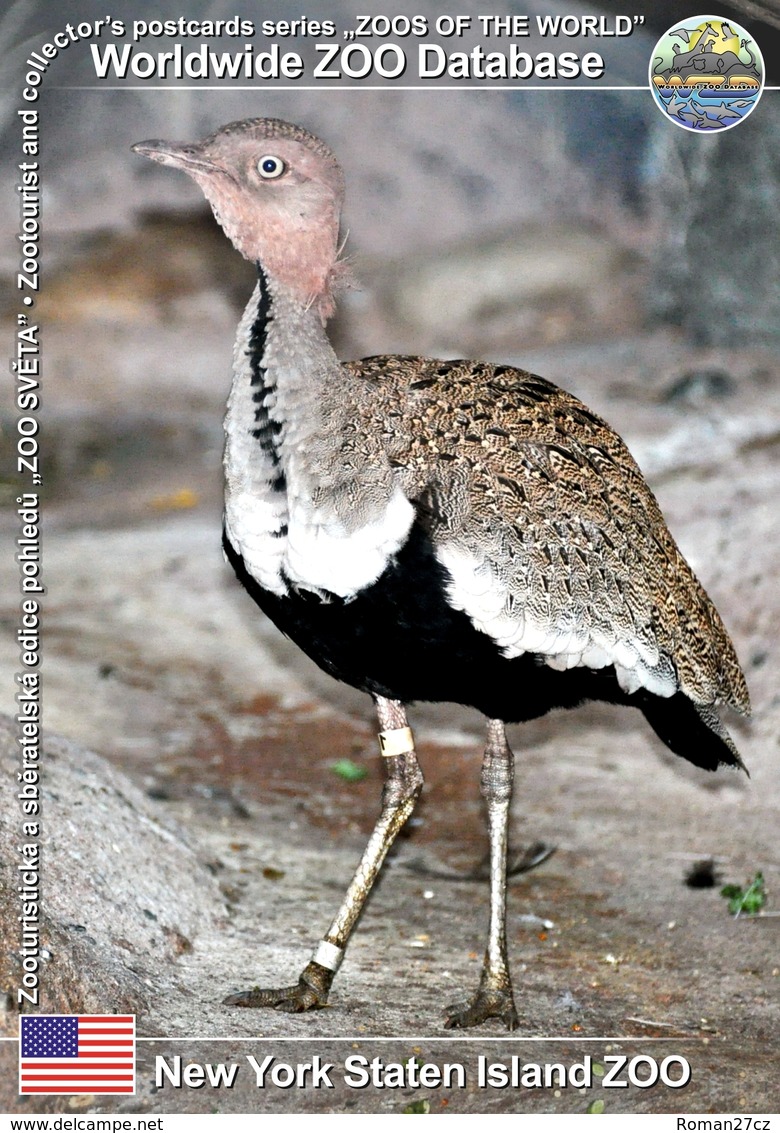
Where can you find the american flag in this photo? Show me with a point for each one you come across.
(77, 1054)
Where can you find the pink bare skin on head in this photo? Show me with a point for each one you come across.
(277, 191)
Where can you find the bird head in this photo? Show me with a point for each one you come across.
(277, 192)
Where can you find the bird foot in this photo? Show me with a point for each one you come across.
(310, 991)
(487, 1003)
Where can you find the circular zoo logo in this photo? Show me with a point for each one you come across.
(706, 74)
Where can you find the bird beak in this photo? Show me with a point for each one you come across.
(181, 155)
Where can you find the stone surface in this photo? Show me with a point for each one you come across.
(122, 893)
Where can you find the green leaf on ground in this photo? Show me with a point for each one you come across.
(749, 900)
(347, 769)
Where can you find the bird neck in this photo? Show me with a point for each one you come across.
(285, 378)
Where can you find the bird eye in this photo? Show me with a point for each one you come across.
(270, 167)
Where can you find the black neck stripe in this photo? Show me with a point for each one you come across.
(266, 430)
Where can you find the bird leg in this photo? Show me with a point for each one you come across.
(493, 997)
(401, 790)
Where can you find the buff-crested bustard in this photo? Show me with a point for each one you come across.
(433, 530)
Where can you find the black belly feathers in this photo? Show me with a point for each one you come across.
(400, 638)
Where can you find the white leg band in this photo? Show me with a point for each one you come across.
(397, 741)
(328, 955)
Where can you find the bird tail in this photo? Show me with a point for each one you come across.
(694, 731)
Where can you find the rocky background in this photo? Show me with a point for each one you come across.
(198, 836)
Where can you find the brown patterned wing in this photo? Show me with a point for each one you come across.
(554, 543)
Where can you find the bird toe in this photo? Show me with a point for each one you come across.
(310, 991)
(484, 1005)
